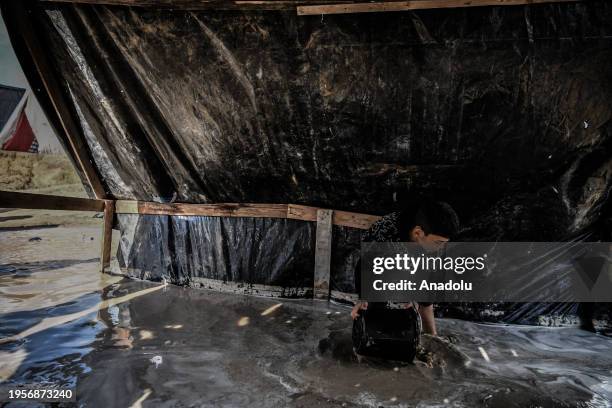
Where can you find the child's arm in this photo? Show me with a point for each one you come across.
(358, 306)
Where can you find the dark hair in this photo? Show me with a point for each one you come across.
(434, 217)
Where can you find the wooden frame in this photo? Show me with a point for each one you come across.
(13, 199)
(312, 7)
(290, 211)
(324, 218)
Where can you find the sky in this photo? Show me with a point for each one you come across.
(11, 74)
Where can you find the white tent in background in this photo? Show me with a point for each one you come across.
(16, 134)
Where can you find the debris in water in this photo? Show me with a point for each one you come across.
(146, 335)
(243, 321)
(484, 354)
(157, 360)
(271, 309)
(173, 326)
(139, 401)
(34, 239)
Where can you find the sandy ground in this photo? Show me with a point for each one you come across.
(131, 343)
(51, 174)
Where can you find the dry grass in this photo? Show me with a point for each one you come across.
(40, 173)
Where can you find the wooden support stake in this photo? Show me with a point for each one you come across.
(107, 234)
(323, 254)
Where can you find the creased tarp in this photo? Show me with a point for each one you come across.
(503, 111)
(262, 251)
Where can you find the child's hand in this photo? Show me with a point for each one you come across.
(358, 306)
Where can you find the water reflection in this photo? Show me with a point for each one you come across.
(128, 343)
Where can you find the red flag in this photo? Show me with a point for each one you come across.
(22, 139)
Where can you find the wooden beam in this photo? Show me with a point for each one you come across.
(290, 211)
(340, 218)
(12, 199)
(305, 7)
(323, 247)
(44, 67)
(211, 210)
(381, 6)
(206, 4)
(354, 220)
(107, 234)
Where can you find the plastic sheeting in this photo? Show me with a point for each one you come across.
(502, 111)
(276, 253)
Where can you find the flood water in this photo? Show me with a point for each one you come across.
(130, 343)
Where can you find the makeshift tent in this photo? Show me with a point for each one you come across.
(16, 134)
(502, 111)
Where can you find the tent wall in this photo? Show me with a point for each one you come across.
(502, 111)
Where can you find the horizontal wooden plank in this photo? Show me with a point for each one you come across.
(126, 207)
(340, 218)
(290, 211)
(215, 210)
(302, 212)
(211, 210)
(13, 199)
(382, 6)
(354, 220)
(206, 4)
(306, 7)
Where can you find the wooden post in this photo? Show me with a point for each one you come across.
(107, 234)
(322, 270)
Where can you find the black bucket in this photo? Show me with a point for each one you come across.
(387, 333)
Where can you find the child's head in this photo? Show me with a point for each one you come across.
(431, 224)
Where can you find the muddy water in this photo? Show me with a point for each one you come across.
(130, 343)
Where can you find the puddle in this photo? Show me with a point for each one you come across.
(131, 343)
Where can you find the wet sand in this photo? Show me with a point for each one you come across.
(131, 343)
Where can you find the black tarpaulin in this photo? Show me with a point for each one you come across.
(504, 112)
